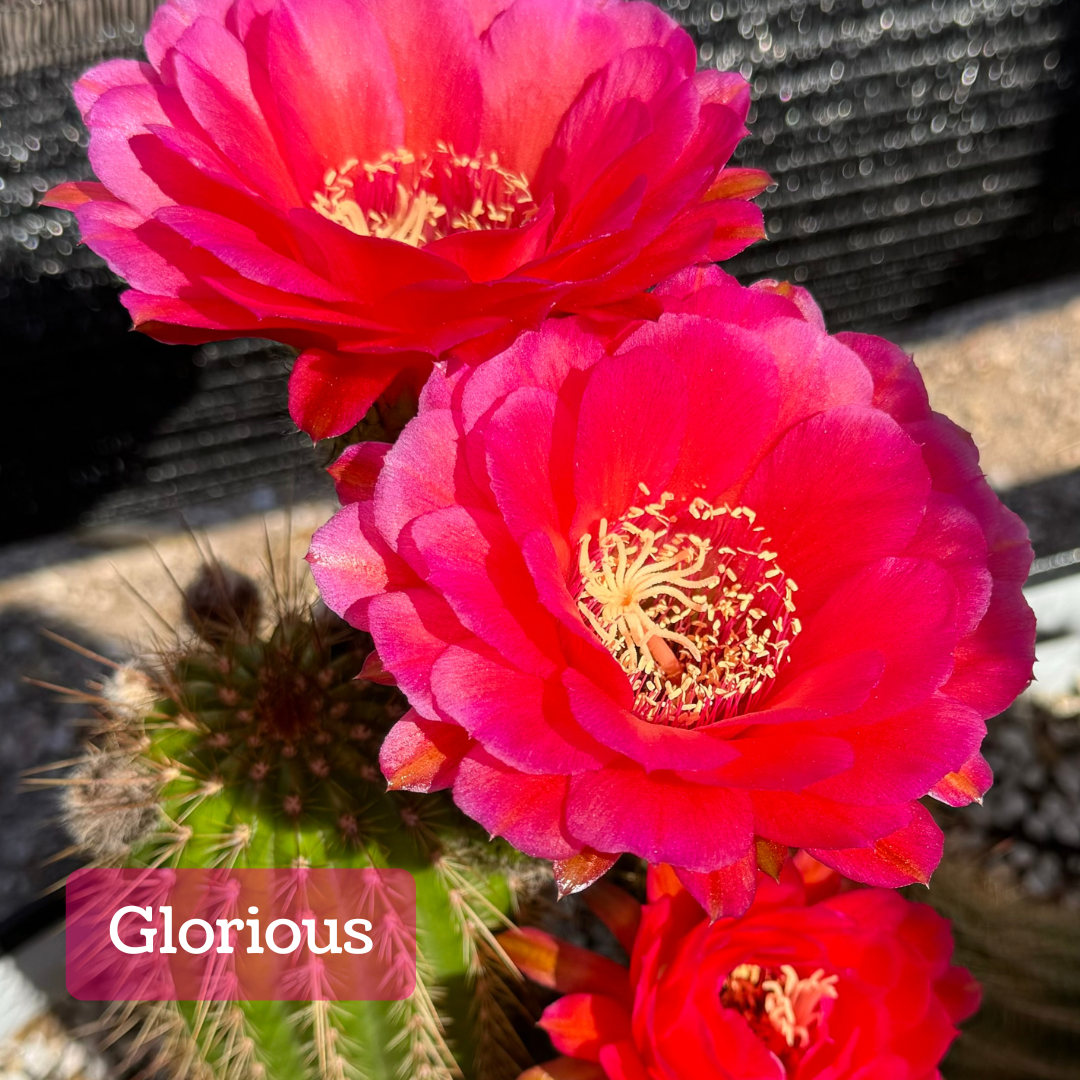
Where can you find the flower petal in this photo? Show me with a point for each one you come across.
(659, 817)
(580, 1024)
(526, 810)
(422, 755)
(908, 855)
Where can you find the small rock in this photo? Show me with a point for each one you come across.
(1036, 828)
(1034, 777)
(1067, 777)
(1045, 877)
(1066, 830)
(1021, 856)
(1007, 806)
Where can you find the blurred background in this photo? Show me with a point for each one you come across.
(926, 158)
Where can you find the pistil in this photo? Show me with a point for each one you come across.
(692, 605)
(418, 199)
(784, 1010)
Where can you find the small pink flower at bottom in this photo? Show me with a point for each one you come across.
(715, 586)
(851, 985)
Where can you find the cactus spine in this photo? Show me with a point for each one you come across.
(246, 749)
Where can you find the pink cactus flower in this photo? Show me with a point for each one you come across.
(844, 986)
(720, 586)
(385, 182)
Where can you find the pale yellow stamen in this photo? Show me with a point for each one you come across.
(620, 587)
(700, 624)
(793, 1005)
(416, 200)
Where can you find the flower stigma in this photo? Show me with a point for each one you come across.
(692, 605)
(785, 1011)
(418, 199)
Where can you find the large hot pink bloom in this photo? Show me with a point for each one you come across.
(856, 986)
(724, 586)
(381, 182)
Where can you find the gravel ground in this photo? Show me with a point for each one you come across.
(1009, 384)
(38, 728)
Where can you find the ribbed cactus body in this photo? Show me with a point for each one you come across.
(263, 752)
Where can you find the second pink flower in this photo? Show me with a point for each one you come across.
(725, 586)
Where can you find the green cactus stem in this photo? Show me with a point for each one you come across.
(249, 749)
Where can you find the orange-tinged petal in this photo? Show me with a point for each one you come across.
(418, 755)
(581, 870)
(739, 184)
(580, 1024)
(967, 785)
(561, 966)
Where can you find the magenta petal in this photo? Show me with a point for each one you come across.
(620, 446)
(442, 96)
(130, 245)
(994, 663)
(660, 817)
(366, 119)
(801, 819)
(411, 629)
(832, 686)
(788, 759)
(211, 69)
(526, 810)
(653, 746)
(239, 248)
(620, 1061)
(840, 490)
(518, 440)
(173, 18)
(908, 855)
(118, 115)
(418, 474)
(104, 77)
(726, 892)
(817, 372)
(898, 386)
(967, 785)
(950, 535)
(422, 755)
(729, 373)
(519, 718)
(873, 611)
(351, 562)
(317, 401)
(902, 757)
(357, 469)
(550, 68)
(470, 560)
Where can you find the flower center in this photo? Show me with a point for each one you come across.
(783, 1010)
(420, 199)
(693, 606)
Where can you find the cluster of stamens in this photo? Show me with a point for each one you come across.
(782, 1009)
(418, 199)
(697, 612)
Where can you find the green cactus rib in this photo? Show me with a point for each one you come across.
(265, 753)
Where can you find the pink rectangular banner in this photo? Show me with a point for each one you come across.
(241, 935)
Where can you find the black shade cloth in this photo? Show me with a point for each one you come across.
(924, 153)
